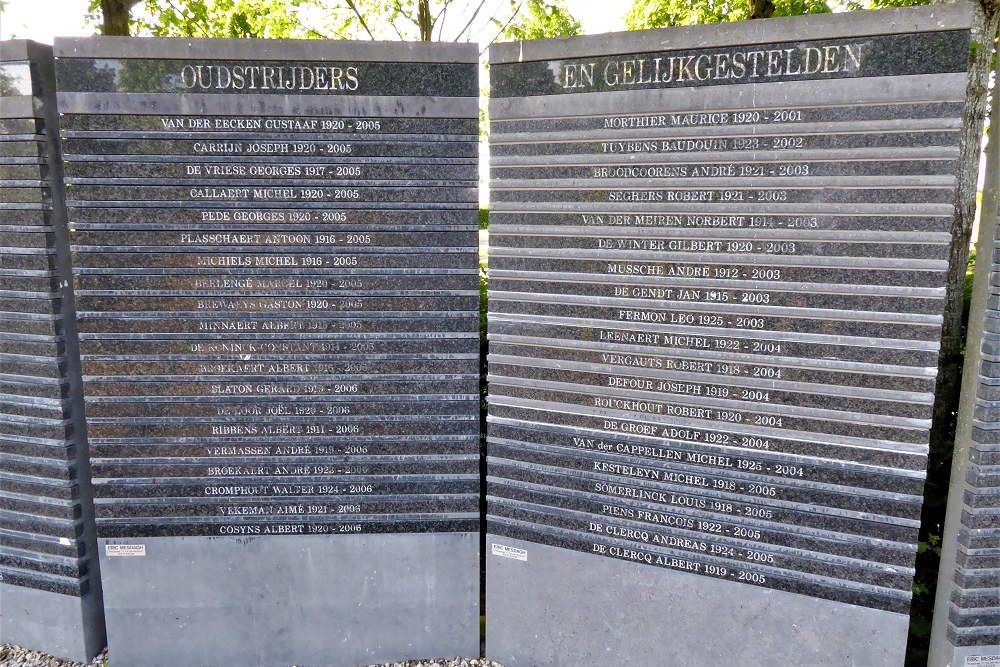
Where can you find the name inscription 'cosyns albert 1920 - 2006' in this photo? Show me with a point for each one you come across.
(278, 306)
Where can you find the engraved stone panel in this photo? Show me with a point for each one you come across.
(50, 588)
(717, 271)
(966, 628)
(275, 254)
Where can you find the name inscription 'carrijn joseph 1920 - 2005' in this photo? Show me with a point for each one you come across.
(275, 255)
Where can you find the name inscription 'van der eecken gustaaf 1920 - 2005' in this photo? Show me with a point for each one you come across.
(275, 255)
(718, 265)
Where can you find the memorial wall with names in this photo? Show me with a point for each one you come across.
(50, 586)
(276, 260)
(966, 627)
(717, 277)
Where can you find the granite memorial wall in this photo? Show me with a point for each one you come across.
(966, 629)
(276, 260)
(50, 588)
(717, 276)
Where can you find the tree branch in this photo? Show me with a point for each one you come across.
(504, 26)
(364, 24)
(468, 25)
(439, 19)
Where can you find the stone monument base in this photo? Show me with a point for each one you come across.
(61, 625)
(343, 600)
(560, 608)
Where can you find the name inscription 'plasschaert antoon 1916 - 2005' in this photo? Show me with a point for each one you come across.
(717, 270)
(275, 255)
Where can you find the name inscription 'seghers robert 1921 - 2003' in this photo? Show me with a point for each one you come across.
(276, 260)
(717, 282)
(49, 580)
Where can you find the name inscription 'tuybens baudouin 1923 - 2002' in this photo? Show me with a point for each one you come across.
(715, 311)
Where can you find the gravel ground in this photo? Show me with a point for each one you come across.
(15, 656)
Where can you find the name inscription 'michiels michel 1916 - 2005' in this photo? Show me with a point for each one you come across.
(275, 253)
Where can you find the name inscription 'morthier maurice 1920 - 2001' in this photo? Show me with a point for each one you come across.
(717, 276)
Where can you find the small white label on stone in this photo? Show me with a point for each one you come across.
(983, 660)
(65, 541)
(504, 551)
(125, 549)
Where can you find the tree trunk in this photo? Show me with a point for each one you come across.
(116, 16)
(424, 20)
(761, 9)
(984, 33)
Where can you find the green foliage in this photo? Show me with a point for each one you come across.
(645, 14)
(410, 20)
(537, 19)
(221, 18)
(278, 19)
(855, 5)
(484, 218)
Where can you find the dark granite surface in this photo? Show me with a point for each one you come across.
(778, 271)
(759, 347)
(760, 114)
(290, 308)
(305, 430)
(349, 322)
(344, 173)
(644, 292)
(736, 551)
(145, 125)
(733, 485)
(328, 241)
(798, 147)
(757, 166)
(351, 488)
(652, 245)
(730, 311)
(698, 524)
(262, 77)
(352, 385)
(74, 586)
(726, 320)
(683, 561)
(280, 149)
(759, 193)
(260, 192)
(691, 447)
(243, 264)
(244, 218)
(462, 523)
(369, 284)
(884, 55)
(219, 348)
(707, 365)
